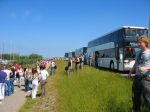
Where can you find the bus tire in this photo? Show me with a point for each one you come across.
(112, 66)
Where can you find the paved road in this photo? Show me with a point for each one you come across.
(14, 102)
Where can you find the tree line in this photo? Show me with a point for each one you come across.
(22, 59)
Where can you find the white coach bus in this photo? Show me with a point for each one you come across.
(116, 50)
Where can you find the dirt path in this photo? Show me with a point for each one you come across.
(48, 102)
(14, 102)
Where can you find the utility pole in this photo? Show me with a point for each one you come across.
(10, 51)
(1, 50)
(13, 52)
(149, 29)
(149, 32)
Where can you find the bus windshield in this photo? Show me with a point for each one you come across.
(130, 43)
(129, 53)
(131, 32)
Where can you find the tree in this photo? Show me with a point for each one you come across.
(35, 56)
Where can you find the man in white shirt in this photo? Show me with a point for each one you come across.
(8, 72)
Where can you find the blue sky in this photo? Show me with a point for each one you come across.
(53, 27)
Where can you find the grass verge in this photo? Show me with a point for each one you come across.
(89, 90)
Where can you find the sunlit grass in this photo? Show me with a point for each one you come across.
(93, 90)
(89, 90)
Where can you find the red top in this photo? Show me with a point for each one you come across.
(17, 67)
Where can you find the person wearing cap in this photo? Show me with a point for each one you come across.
(141, 83)
(3, 77)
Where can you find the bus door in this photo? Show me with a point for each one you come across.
(96, 58)
(119, 59)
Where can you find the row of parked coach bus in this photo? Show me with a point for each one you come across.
(115, 50)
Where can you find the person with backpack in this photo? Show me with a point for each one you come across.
(141, 83)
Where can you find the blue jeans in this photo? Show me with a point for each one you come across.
(27, 82)
(12, 85)
(8, 88)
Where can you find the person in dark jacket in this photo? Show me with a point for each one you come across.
(3, 76)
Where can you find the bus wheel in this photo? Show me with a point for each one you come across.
(112, 66)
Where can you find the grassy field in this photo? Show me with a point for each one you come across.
(89, 90)
(93, 90)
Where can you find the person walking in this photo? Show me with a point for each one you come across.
(52, 67)
(34, 83)
(43, 80)
(90, 60)
(20, 71)
(77, 63)
(81, 58)
(141, 83)
(17, 74)
(70, 64)
(38, 71)
(3, 77)
(12, 78)
(28, 73)
(7, 86)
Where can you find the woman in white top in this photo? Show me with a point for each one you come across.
(35, 84)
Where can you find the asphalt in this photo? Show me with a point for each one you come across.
(14, 102)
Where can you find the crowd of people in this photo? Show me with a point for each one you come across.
(39, 74)
(29, 76)
(141, 82)
(79, 63)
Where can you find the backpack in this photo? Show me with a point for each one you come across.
(55, 67)
(66, 68)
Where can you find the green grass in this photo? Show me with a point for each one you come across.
(92, 90)
(30, 103)
(89, 90)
